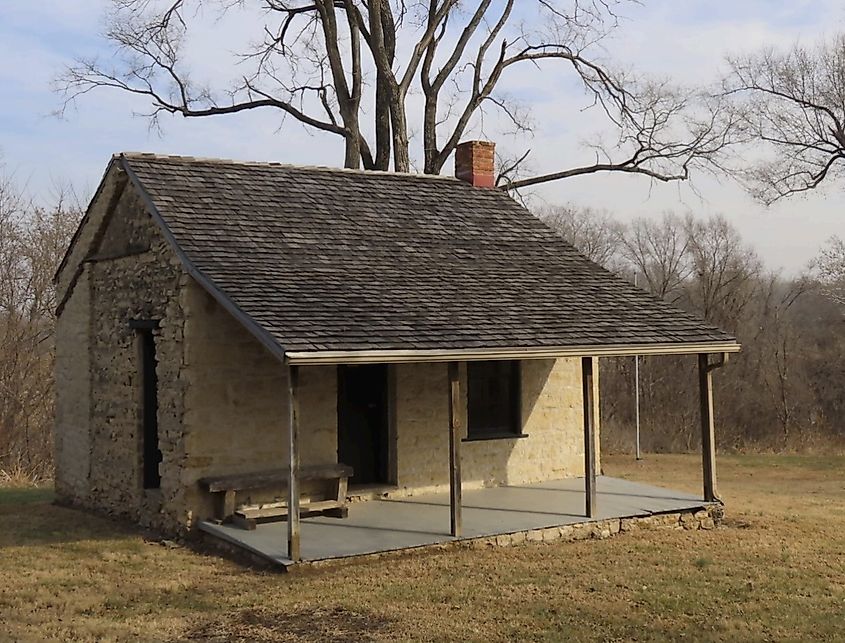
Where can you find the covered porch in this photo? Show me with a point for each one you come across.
(384, 525)
(510, 514)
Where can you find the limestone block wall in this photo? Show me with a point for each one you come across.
(236, 416)
(552, 417)
(72, 440)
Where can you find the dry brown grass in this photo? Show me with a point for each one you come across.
(775, 572)
(18, 475)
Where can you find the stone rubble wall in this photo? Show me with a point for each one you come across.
(236, 416)
(72, 441)
(706, 518)
(133, 275)
(113, 184)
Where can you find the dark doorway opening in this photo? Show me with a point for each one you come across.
(362, 422)
(151, 453)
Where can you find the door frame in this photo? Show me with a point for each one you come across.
(391, 468)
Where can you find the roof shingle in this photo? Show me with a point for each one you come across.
(338, 260)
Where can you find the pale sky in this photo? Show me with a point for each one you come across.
(686, 40)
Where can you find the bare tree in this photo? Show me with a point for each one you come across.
(830, 267)
(32, 240)
(724, 270)
(795, 102)
(775, 345)
(769, 394)
(595, 233)
(348, 68)
(657, 250)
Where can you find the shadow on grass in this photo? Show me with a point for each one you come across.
(30, 518)
(790, 462)
(25, 495)
(316, 624)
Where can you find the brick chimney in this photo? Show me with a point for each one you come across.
(474, 163)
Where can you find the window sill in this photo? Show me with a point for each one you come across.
(495, 436)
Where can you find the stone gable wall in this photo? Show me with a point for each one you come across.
(135, 275)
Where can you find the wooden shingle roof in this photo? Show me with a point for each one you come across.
(334, 262)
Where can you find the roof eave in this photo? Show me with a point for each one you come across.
(101, 186)
(265, 338)
(313, 358)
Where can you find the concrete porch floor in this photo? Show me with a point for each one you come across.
(391, 524)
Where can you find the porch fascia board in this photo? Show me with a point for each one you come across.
(310, 358)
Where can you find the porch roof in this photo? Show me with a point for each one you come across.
(328, 265)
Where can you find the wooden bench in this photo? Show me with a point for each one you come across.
(247, 516)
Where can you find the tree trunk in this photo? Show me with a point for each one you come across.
(352, 152)
(382, 126)
(430, 135)
(401, 157)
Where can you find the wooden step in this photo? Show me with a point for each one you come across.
(248, 517)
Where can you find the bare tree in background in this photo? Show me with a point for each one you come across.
(830, 266)
(795, 102)
(724, 270)
(32, 241)
(349, 68)
(657, 251)
(595, 233)
(774, 351)
(784, 390)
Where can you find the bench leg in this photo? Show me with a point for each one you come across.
(228, 505)
(342, 484)
(340, 512)
(243, 522)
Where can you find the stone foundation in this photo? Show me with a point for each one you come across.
(704, 518)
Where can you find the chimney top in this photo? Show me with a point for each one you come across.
(474, 163)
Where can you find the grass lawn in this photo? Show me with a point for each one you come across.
(775, 571)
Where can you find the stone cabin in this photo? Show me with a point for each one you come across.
(430, 332)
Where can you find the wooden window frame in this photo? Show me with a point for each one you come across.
(476, 434)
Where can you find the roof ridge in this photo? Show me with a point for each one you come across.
(290, 264)
(223, 161)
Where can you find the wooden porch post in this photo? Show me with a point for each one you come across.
(708, 431)
(589, 436)
(455, 449)
(293, 472)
